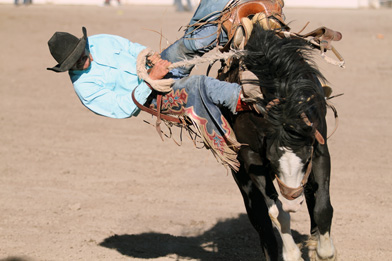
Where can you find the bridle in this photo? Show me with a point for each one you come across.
(286, 191)
(317, 134)
(293, 193)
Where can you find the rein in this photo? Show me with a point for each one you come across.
(156, 113)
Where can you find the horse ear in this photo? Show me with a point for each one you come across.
(319, 137)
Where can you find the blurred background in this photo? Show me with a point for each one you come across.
(288, 3)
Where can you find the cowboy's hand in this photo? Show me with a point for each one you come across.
(153, 59)
(160, 69)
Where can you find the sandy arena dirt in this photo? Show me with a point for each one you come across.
(76, 186)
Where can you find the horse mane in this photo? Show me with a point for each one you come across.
(287, 73)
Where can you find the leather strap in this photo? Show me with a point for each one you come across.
(293, 193)
(317, 134)
(155, 112)
(320, 38)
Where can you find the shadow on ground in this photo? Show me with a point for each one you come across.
(230, 239)
(15, 258)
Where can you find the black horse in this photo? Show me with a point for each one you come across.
(286, 142)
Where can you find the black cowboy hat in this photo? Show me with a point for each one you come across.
(66, 49)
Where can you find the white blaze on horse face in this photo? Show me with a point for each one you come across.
(291, 173)
(291, 168)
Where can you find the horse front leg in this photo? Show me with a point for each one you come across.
(281, 221)
(261, 181)
(320, 209)
(258, 214)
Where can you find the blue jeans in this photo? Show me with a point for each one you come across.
(197, 41)
(220, 93)
(208, 10)
(199, 99)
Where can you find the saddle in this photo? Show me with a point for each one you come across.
(237, 21)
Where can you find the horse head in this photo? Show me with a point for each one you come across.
(289, 142)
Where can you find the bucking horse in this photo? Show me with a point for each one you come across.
(285, 142)
(284, 157)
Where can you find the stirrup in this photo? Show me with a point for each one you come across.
(242, 33)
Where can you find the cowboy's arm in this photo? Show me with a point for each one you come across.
(134, 49)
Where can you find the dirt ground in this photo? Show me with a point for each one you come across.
(76, 186)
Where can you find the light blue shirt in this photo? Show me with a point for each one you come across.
(106, 86)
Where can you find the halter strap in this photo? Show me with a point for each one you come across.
(293, 193)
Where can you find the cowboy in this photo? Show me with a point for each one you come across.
(102, 69)
(93, 65)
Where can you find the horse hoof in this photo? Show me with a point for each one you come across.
(311, 244)
(332, 258)
(316, 257)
